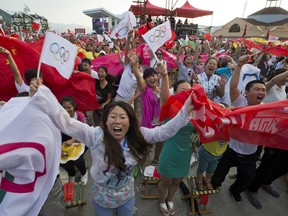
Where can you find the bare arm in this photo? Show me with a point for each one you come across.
(136, 95)
(127, 46)
(13, 66)
(221, 88)
(179, 53)
(165, 93)
(257, 60)
(234, 91)
(135, 67)
(119, 55)
(277, 80)
(197, 53)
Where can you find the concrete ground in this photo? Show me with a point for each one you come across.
(219, 204)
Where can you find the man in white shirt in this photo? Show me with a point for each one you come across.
(131, 78)
(239, 154)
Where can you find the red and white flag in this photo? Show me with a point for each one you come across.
(59, 53)
(124, 26)
(36, 25)
(158, 35)
(272, 38)
(1, 30)
(30, 150)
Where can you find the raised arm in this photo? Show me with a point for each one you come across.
(13, 66)
(135, 67)
(43, 98)
(169, 129)
(257, 61)
(179, 53)
(165, 93)
(119, 55)
(127, 46)
(221, 88)
(234, 91)
(279, 80)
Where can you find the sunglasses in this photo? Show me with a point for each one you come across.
(158, 53)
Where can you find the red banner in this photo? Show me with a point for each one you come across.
(264, 124)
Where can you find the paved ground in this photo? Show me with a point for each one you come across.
(219, 204)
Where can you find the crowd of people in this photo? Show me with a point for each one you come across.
(119, 140)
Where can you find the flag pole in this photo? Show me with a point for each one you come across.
(157, 60)
(38, 70)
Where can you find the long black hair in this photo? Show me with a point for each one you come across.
(135, 140)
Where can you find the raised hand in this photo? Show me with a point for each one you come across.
(161, 69)
(34, 85)
(4, 51)
(223, 79)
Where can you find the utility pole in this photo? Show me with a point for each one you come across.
(244, 9)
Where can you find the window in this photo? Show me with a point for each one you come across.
(234, 28)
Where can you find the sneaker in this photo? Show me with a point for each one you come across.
(253, 199)
(172, 208)
(163, 209)
(236, 197)
(270, 190)
(72, 179)
(84, 178)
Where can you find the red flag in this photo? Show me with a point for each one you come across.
(169, 44)
(264, 124)
(143, 29)
(173, 37)
(268, 34)
(244, 33)
(278, 51)
(111, 62)
(36, 25)
(27, 57)
(208, 37)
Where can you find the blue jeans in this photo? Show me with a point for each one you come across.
(124, 210)
(207, 161)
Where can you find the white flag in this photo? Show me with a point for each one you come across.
(124, 26)
(59, 53)
(29, 157)
(158, 35)
(272, 38)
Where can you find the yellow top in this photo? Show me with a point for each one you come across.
(216, 148)
(89, 55)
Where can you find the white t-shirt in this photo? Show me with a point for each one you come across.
(22, 88)
(94, 74)
(127, 86)
(275, 94)
(237, 146)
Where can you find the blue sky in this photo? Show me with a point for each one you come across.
(70, 11)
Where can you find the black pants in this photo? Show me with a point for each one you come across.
(246, 168)
(79, 163)
(274, 164)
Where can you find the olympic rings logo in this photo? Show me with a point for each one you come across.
(158, 34)
(59, 53)
(122, 32)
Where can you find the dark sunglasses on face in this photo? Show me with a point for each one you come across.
(158, 53)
